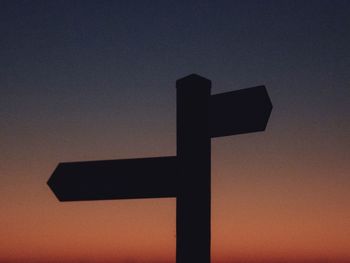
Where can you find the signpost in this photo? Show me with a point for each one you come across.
(186, 176)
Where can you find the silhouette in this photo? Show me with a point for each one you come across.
(186, 176)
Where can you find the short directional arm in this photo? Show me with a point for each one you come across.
(239, 111)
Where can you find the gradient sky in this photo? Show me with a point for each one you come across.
(94, 80)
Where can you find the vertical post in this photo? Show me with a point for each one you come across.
(193, 153)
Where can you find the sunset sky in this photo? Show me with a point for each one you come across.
(95, 80)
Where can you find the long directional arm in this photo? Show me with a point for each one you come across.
(115, 179)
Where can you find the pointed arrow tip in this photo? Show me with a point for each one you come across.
(52, 182)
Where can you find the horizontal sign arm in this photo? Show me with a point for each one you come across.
(115, 179)
(240, 111)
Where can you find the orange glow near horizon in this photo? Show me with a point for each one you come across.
(260, 211)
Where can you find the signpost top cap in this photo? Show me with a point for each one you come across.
(193, 81)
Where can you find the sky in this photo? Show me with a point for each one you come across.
(95, 80)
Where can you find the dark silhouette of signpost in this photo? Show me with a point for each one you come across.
(186, 176)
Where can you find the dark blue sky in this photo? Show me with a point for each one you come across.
(78, 64)
(94, 51)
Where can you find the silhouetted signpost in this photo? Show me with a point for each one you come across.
(186, 176)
